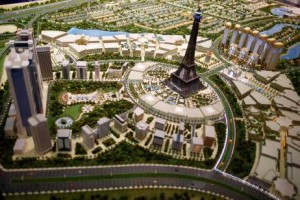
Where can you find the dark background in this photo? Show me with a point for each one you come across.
(2, 2)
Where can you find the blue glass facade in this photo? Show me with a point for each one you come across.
(35, 86)
(19, 85)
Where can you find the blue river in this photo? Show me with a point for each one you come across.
(281, 11)
(278, 27)
(294, 51)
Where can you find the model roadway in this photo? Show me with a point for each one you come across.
(41, 180)
(125, 177)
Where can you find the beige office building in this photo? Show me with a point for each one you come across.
(40, 133)
(88, 136)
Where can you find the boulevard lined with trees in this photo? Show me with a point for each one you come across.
(229, 95)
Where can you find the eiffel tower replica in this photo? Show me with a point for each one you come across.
(185, 81)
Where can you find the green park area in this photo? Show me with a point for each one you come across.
(72, 111)
(57, 109)
(2, 59)
(237, 112)
(294, 76)
(141, 194)
(221, 132)
(123, 153)
(244, 154)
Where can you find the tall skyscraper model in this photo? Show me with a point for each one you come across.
(185, 81)
(24, 80)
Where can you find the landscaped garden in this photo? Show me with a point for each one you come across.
(244, 154)
(72, 111)
(229, 95)
(294, 77)
(221, 133)
(57, 109)
(4, 95)
(123, 153)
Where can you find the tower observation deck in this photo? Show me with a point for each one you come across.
(185, 80)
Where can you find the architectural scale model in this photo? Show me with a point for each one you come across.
(185, 80)
(129, 99)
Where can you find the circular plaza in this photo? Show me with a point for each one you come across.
(145, 84)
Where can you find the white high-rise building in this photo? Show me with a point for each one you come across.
(103, 127)
(251, 39)
(88, 136)
(226, 33)
(235, 33)
(255, 35)
(262, 45)
(243, 38)
(274, 55)
(268, 46)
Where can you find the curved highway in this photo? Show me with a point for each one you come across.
(126, 176)
(229, 143)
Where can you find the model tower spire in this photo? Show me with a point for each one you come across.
(185, 80)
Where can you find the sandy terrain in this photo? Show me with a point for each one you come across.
(8, 28)
(9, 6)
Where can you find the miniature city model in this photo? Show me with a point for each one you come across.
(210, 107)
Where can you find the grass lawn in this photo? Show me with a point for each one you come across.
(154, 194)
(2, 63)
(72, 111)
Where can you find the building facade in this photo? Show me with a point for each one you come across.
(65, 68)
(141, 130)
(158, 138)
(21, 88)
(103, 127)
(81, 69)
(40, 133)
(120, 124)
(44, 58)
(63, 141)
(88, 136)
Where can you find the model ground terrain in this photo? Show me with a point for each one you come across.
(150, 100)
